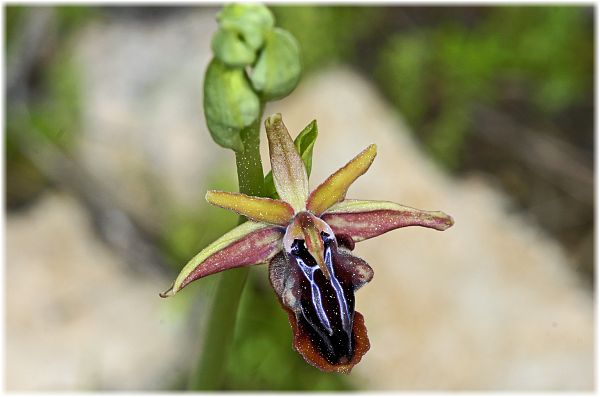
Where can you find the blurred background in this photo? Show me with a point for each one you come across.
(486, 113)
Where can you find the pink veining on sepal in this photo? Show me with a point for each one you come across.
(362, 219)
(248, 244)
(257, 247)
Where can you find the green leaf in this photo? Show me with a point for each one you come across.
(230, 104)
(277, 70)
(304, 142)
(230, 49)
(251, 21)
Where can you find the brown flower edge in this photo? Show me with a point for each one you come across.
(305, 346)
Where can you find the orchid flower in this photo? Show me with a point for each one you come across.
(307, 238)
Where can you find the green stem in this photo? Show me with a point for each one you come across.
(249, 164)
(218, 338)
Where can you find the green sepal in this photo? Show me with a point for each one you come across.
(230, 104)
(304, 143)
(277, 70)
(231, 50)
(251, 21)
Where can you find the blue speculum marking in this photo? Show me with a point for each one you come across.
(344, 313)
(327, 305)
(309, 273)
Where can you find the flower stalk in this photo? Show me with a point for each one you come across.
(218, 337)
(249, 163)
(254, 62)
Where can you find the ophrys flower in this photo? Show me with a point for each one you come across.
(307, 238)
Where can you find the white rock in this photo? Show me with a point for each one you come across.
(74, 318)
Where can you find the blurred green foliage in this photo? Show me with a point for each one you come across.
(13, 19)
(547, 49)
(327, 34)
(53, 115)
(49, 107)
(57, 114)
(187, 232)
(435, 70)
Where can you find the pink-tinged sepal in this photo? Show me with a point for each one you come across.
(328, 333)
(363, 219)
(248, 244)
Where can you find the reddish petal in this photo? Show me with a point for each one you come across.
(344, 240)
(353, 267)
(248, 244)
(365, 219)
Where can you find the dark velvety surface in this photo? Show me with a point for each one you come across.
(321, 310)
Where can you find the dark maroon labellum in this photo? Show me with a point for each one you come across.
(327, 305)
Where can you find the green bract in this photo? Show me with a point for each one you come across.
(251, 21)
(230, 104)
(277, 70)
(304, 143)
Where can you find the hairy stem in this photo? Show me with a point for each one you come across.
(218, 337)
(249, 164)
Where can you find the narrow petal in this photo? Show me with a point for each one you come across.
(248, 244)
(363, 219)
(289, 173)
(259, 209)
(334, 188)
(353, 267)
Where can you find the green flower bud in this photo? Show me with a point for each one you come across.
(230, 104)
(277, 70)
(251, 21)
(230, 49)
